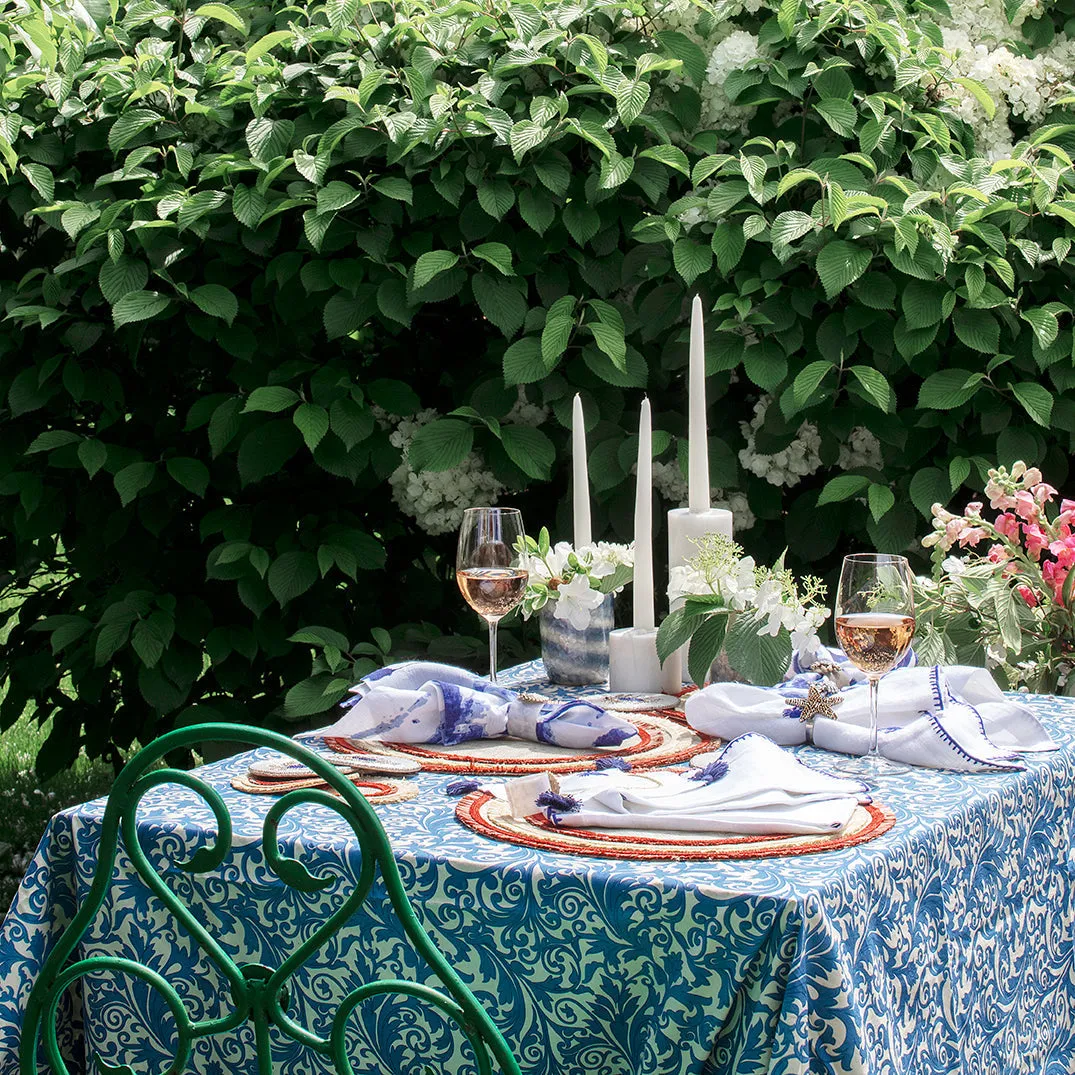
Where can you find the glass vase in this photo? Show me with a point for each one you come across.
(573, 657)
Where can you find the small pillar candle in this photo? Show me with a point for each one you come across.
(633, 665)
(580, 490)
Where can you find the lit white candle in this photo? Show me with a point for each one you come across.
(643, 576)
(580, 476)
(698, 435)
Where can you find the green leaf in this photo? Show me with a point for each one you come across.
(190, 473)
(706, 642)
(500, 302)
(396, 188)
(610, 340)
(840, 115)
(929, 486)
(222, 13)
(790, 226)
(1044, 323)
(765, 364)
(523, 363)
(92, 454)
(530, 450)
(312, 422)
(536, 209)
(671, 156)
(132, 479)
(335, 196)
(216, 301)
(321, 636)
(682, 48)
(728, 244)
(431, 265)
(675, 630)
(314, 695)
(267, 43)
(129, 125)
(582, 221)
(881, 500)
(119, 278)
(441, 445)
(150, 637)
(497, 254)
(272, 398)
(839, 264)
(291, 575)
(631, 98)
(762, 659)
(138, 306)
(808, 380)
(947, 389)
(977, 329)
(691, 259)
(842, 487)
(921, 303)
(979, 93)
(350, 422)
(876, 386)
(1037, 401)
(52, 438)
(496, 197)
(248, 205)
(396, 397)
(266, 449)
(268, 139)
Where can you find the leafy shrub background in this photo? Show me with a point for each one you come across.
(243, 246)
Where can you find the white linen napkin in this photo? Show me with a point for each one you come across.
(749, 786)
(942, 718)
(423, 702)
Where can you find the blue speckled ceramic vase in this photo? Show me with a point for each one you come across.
(575, 657)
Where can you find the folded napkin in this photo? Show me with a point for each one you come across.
(838, 665)
(422, 702)
(943, 718)
(750, 786)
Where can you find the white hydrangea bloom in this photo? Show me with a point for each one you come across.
(732, 53)
(862, 449)
(437, 499)
(524, 413)
(672, 486)
(788, 467)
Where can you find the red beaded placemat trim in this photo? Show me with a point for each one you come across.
(538, 833)
(375, 791)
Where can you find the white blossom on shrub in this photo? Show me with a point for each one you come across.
(436, 499)
(788, 467)
(525, 413)
(862, 449)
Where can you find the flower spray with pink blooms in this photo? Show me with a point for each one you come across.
(1001, 591)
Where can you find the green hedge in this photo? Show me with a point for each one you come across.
(285, 287)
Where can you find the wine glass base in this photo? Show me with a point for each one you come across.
(869, 766)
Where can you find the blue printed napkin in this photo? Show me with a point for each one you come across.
(423, 702)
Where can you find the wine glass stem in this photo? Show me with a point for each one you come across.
(492, 651)
(874, 681)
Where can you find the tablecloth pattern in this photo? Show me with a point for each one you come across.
(944, 946)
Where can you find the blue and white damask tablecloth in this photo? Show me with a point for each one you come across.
(944, 946)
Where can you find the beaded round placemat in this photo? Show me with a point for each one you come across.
(375, 791)
(491, 817)
(662, 740)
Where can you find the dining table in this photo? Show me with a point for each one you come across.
(945, 945)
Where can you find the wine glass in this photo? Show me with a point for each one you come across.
(492, 575)
(874, 624)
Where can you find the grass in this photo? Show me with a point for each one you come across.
(26, 804)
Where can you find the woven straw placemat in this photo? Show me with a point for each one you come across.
(491, 817)
(375, 791)
(662, 740)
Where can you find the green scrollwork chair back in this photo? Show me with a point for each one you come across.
(258, 993)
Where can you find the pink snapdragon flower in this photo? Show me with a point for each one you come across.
(1043, 493)
(1036, 540)
(1055, 576)
(1028, 595)
(999, 554)
(971, 535)
(1007, 525)
(1026, 507)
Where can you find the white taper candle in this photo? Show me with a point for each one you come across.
(580, 476)
(645, 615)
(698, 435)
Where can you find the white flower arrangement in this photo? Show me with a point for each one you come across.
(757, 616)
(574, 581)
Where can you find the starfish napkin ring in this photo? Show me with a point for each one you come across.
(820, 702)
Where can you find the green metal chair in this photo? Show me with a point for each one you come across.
(258, 993)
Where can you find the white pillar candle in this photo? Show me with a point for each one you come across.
(643, 576)
(580, 476)
(698, 435)
(685, 527)
(632, 662)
